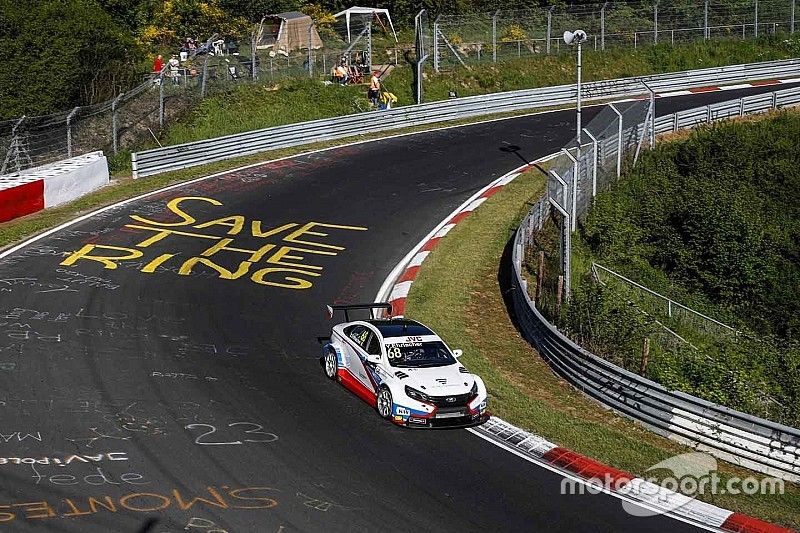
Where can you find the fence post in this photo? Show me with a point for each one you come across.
(494, 36)
(114, 121)
(574, 193)
(310, 56)
(655, 23)
(603, 26)
(254, 57)
(619, 139)
(205, 77)
(595, 156)
(549, 25)
(436, 43)
(369, 44)
(652, 115)
(755, 19)
(69, 131)
(539, 278)
(645, 356)
(161, 96)
(791, 22)
(705, 20)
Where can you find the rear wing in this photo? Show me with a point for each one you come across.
(348, 307)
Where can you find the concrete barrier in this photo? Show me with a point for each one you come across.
(34, 189)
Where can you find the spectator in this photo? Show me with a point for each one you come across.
(374, 89)
(174, 64)
(340, 73)
(158, 64)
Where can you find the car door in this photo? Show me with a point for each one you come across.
(358, 337)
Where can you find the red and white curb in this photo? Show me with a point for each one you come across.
(32, 190)
(714, 88)
(540, 451)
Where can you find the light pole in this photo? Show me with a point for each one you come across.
(577, 37)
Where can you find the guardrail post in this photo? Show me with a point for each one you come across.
(436, 43)
(675, 122)
(775, 100)
(603, 26)
(595, 155)
(494, 36)
(619, 139)
(741, 107)
(705, 20)
(549, 26)
(134, 166)
(114, 121)
(69, 131)
(708, 114)
(655, 23)
(755, 19)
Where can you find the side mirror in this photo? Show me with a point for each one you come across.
(374, 358)
(458, 352)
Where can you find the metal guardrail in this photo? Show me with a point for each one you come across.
(166, 159)
(731, 435)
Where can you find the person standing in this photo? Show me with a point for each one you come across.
(174, 65)
(158, 64)
(374, 89)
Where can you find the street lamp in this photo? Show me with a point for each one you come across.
(577, 37)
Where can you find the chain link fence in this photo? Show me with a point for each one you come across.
(491, 37)
(447, 40)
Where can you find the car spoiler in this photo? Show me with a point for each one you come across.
(347, 307)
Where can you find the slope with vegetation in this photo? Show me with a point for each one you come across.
(710, 221)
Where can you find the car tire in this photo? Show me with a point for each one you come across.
(331, 364)
(384, 402)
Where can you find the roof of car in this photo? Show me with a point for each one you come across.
(400, 327)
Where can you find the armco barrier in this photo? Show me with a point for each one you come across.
(731, 435)
(158, 160)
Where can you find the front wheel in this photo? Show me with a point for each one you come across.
(384, 403)
(331, 364)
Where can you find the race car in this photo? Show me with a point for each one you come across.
(404, 370)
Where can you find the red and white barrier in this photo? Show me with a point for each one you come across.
(32, 190)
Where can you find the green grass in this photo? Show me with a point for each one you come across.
(458, 294)
(253, 106)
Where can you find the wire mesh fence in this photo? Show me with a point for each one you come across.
(363, 43)
(465, 39)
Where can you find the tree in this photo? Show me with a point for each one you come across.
(62, 54)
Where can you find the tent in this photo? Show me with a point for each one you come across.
(287, 31)
(362, 11)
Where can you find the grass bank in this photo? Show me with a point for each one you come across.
(252, 106)
(458, 293)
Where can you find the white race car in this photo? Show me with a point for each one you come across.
(404, 370)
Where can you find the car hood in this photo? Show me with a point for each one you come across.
(436, 381)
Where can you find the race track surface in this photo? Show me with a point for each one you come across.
(182, 390)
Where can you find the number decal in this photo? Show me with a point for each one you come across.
(256, 430)
(394, 353)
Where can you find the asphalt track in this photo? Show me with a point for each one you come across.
(154, 401)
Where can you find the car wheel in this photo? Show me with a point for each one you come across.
(384, 403)
(331, 364)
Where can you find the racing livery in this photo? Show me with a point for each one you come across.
(404, 370)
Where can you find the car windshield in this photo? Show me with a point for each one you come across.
(419, 354)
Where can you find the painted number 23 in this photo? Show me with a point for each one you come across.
(255, 431)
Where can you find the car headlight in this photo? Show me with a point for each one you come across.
(417, 395)
(474, 391)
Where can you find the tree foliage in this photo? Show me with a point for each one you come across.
(61, 54)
